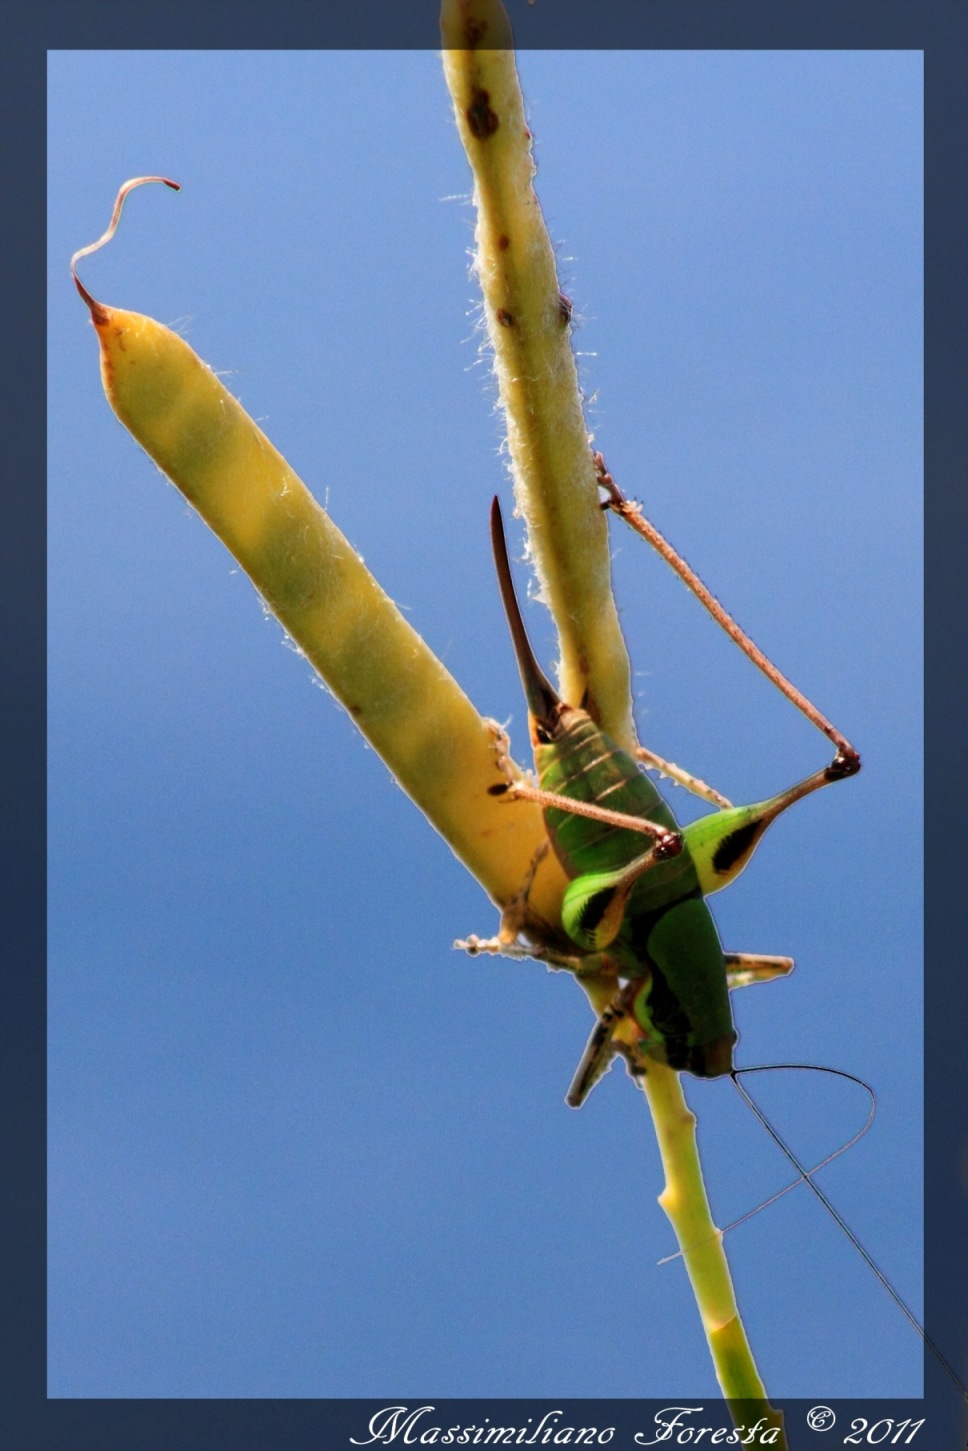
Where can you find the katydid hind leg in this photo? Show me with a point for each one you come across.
(593, 907)
(846, 762)
(722, 843)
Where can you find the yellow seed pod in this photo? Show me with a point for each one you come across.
(441, 751)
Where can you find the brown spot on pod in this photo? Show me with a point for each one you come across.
(505, 318)
(480, 118)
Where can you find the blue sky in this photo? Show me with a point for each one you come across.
(299, 1147)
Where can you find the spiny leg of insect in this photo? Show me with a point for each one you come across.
(522, 952)
(819, 779)
(502, 750)
(847, 761)
(515, 923)
(514, 918)
(599, 1048)
(667, 843)
(682, 778)
(515, 912)
(745, 968)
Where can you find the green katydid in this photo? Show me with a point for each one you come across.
(637, 915)
(640, 917)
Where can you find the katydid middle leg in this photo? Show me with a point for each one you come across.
(682, 778)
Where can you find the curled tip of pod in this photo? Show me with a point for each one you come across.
(92, 303)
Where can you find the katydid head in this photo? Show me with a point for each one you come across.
(547, 712)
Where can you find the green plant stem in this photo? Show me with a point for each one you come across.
(554, 475)
(687, 1207)
(530, 336)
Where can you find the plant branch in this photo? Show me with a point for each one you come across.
(555, 484)
(528, 324)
